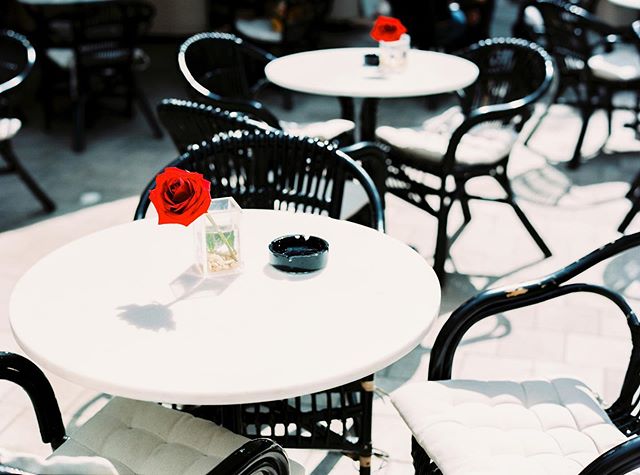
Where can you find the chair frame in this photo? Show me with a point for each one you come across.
(402, 185)
(77, 16)
(595, 92)
(633, 195)
(250, 106)
(13, 164)
(621, 458)
(253, 456)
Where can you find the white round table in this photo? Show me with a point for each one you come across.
(123, 312)
(633, 4)
(341, 73)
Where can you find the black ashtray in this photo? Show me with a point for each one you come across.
(298, 253)
(371, 60)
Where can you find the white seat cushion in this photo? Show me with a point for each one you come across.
(621, 64)
(9, 128)
(57, 465)
(326, 130)
(259, 29)
(505, 427)
(144, 438)
(485, 143)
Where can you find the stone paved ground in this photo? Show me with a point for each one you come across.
(574, 211)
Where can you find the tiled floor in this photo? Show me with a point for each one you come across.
(574, 211)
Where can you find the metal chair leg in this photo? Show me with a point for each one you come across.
(506, 186)
(586, 112)
(635, 207)
(442, 240)
(78, 124)
(14, 165)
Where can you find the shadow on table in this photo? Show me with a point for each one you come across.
(190, 284)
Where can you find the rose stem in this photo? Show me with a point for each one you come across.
(224, 238)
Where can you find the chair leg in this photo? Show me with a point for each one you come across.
(79, 109)
(464, 201)
(634, 185)
(143, 103)
(635, 207)
(442, 240)
(14, 164)
(506, 186)
(586, 112)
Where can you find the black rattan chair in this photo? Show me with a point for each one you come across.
(474, 140)
(255, 457)
(189, 123)
(17, 58)
(227, 72)
(272, 170)
(567, 398)
(91, 50)
(595, 61)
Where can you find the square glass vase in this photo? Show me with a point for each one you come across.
(394, 55)
(217, 238)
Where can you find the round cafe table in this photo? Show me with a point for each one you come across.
(123, 311)
(341, 73)
(633, 4)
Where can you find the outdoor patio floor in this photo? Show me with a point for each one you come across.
(574, 211)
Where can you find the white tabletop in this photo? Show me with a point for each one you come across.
(340, 72)
(633, 4)
(119, 311)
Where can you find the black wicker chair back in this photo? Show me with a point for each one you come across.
(273, 170)
(226, 72)
(501, 81)
(191, 123)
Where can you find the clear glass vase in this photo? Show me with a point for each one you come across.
(217, 238)
(394, 55)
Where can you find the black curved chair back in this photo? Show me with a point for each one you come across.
(17, 58)
(273, 170)
(566, 31)
(226, 71)
(302, 21)
(190, 122)
(514, 73)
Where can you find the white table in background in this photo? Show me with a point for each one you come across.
(341, 73)
(120, 311)
(633, 4)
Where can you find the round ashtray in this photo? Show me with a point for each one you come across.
(298, 253)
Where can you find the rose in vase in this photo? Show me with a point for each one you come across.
(387, 28)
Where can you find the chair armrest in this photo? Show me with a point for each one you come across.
(28, 376)
(373, 158)
(494, 301)
(619, 460)
(252, 456)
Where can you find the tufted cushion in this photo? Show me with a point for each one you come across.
(9, 128)
(621, 64)
(259, 29)
(147, 439)
(58, 465)
(505, 427)
(326, 130)
(485, 143)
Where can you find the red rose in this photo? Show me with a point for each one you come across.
(387, 28)
(180, 196)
